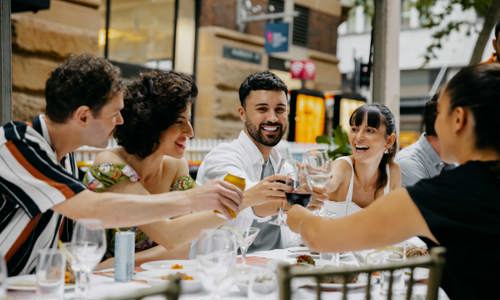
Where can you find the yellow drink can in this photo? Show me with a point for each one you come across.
(237, 181)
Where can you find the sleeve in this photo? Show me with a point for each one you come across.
(411, 171)
(100, 177)
(437, 200)
(33, 179)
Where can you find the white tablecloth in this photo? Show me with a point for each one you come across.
(104, 288)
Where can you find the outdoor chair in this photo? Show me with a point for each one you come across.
(434, 262)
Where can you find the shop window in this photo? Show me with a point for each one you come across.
(140, 32)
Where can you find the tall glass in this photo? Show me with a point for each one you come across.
(3, 278)
(50, 272)
(87, 247)
(215, 253)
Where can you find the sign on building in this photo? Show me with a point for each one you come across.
(276, 36)
(303, 69)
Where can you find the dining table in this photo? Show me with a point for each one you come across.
(104, 287)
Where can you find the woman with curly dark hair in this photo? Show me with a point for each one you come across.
(153, 138)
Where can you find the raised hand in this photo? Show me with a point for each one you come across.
(216, 195)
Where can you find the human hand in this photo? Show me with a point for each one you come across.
(295, 217)
(269, 189)
(216, 195)
(319, 195)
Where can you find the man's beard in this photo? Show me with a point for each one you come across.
(256, 134)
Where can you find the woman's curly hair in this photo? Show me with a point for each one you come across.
(152, 104)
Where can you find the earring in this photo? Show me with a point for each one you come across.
(386, 151)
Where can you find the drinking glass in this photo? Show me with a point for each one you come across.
(263, 285)
(215, 253)
(398, 282)
(50, 272)
(246, 239)
(3, 278)
(317, 169)
(87, 247)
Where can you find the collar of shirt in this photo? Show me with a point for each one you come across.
(432, 155)
(255, 156)
(40, 126)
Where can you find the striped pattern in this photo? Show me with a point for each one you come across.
(32, 181)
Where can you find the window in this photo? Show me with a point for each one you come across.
(141, 32)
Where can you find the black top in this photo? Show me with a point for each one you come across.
(462, 209)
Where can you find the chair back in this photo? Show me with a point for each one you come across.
(434, 262)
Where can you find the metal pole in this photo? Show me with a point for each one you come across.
(106, 29)
(6, 62)
(386, 85)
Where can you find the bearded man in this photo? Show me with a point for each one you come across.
(253, 156)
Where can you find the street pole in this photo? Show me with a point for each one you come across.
(386, 84)
(6, 62)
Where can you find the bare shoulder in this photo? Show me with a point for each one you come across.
(177, 166)
(340, 165)
(109, 156)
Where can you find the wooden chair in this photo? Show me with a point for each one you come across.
(434, 263)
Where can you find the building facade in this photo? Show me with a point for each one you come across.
(199, 37)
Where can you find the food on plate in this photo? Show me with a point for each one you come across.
(176, 267)
(183, 276)
(416, 251)
(305, 259)
(69, 276)
(351, 278)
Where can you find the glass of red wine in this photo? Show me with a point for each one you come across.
(301, 193)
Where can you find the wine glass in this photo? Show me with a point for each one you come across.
(87, 247)
(246, 239)
(317, 169)
(215, 252)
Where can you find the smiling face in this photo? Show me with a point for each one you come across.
(266, 116)
(368, 136)
(101, 125)
(173, 140)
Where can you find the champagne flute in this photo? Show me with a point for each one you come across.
(87, 248)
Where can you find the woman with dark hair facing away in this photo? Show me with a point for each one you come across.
(156, 113)
(458, 209)
(357, 180)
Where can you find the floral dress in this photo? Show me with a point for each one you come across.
(101, 177)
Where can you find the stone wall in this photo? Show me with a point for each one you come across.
(42, 40)
(219, 79)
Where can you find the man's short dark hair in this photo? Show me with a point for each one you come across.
(497, 30)
(81, 80)
(430, 115)
(261, 81)
(153, 103)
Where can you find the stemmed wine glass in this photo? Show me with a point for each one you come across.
(245, 239)
(317, 169)
(87, 247)
(216, 255)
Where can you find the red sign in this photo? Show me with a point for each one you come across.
(302, 69)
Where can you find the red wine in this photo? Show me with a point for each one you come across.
(298, 198)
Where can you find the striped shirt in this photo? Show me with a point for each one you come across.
(32, 181)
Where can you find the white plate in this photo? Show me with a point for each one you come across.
(154, 278)
(167, 265)
(27, 283)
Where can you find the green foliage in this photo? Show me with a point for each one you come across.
(338, 143)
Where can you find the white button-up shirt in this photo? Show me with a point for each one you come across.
(242, 158)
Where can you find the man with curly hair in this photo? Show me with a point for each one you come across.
(39, 180)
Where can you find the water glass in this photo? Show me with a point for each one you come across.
(3, 278)
(215, 252)
(50, 272)
(398, 281)
(263, 285)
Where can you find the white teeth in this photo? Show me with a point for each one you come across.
(362, 147)
(270, 128)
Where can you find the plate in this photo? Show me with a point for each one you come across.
(27, 283)
(169, 265)
(157, 278)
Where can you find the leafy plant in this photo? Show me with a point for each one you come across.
(338, 143)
